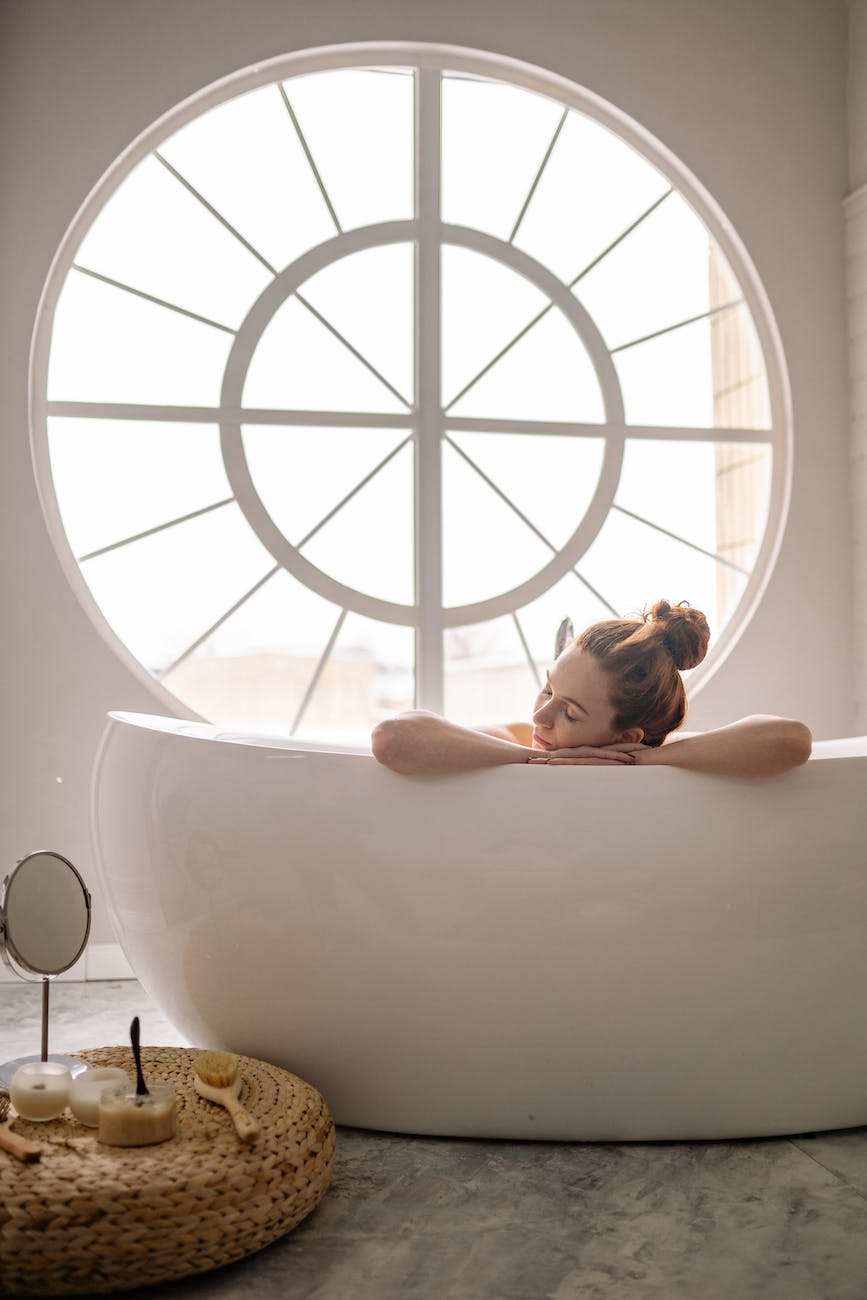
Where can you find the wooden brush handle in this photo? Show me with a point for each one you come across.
(246, 1127)
(19, 1146)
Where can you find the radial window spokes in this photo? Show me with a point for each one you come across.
(534, 667)
(161, 474)
(684, 541)
(218, 623)
(155, 237)
(544, 163)
(309, 156)
(110, 346)
(679, 325)
(306, 477)
(358, 124)
(516, 511)
(596, 260)
(366, 351)
(149, 297)
(218, 216)
(548, 477)
(157, 528)
(305, 362)
(317, 673)
(493, 137)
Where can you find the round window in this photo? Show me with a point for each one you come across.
(361, 370)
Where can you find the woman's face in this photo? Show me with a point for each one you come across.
(573, 708)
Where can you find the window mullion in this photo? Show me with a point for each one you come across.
(428, 459)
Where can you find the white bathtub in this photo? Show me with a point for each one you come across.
(591, 953)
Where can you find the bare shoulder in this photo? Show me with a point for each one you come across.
(520, 732)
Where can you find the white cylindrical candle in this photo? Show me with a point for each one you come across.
(86, 1089)
(40, 1089)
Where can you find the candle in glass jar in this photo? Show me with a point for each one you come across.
(87, 1088)
(130, 1119)
(40, 1089)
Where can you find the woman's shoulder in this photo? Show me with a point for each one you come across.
(520, 732)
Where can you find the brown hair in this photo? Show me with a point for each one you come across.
(642, 658)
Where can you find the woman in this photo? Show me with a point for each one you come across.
(614, 696)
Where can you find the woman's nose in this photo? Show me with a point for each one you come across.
(543, 714)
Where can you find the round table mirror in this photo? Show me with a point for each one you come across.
(44, 928)
(46, 914)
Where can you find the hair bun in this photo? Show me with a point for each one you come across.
(684, 632)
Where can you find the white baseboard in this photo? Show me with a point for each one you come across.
(101, 961)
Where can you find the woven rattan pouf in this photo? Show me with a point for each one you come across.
(90, 1218)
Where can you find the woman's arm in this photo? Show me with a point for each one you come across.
(424, 742)
(418, 742)
(756, 746)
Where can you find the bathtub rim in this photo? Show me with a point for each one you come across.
(836, 748)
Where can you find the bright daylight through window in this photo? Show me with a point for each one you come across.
(351, 383)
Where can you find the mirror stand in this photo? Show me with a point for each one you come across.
(44, 928)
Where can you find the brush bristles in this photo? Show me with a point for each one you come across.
(216, 1069)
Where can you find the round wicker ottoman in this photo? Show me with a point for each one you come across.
(90, 1218)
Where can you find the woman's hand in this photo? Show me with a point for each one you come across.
(590, 756)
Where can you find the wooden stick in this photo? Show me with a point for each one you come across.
(19, 1146)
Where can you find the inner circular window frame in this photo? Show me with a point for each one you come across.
(439, 59)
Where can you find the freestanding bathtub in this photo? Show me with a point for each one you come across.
(523, 952)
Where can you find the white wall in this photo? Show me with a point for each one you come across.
(855, 214)
(750, 96)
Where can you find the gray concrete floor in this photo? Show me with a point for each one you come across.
(435, 1219)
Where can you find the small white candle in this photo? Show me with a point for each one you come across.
(40, 1089)
(86, 1089)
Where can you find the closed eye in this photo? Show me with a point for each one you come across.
(547, 692)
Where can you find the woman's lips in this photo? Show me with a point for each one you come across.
(539, 743)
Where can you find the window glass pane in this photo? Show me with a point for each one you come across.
(550, 479)
(743, 491)
(300, 365)
(667, 381)
(245, 158)
(161, 593)
(358, 124)
(254, 669)
(156, 472)
(258, 666)
(494, 138)
(487, 676)
(156, 236)
(655, 278)
(110, 346)
(740, 384)
(547, 375)
(635, 566)
(484, 306)
(301, 474)
(369, 544)
(486, 547)
(593, 188)
(568, 598)
(368, 297)
(369, 676)
(673, 484)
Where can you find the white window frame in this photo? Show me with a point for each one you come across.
(425, 422)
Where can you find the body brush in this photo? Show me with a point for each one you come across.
(217, 1079)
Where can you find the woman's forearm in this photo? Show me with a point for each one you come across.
(755, 746)
(420, 742)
